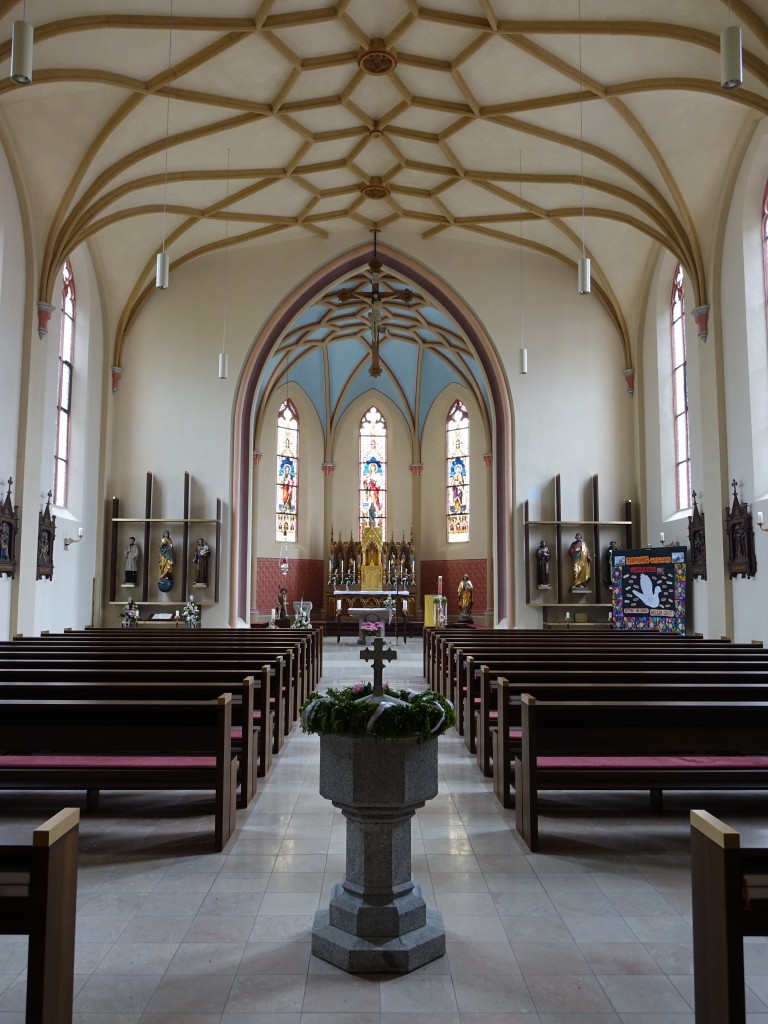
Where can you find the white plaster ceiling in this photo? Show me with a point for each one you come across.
(622, 99)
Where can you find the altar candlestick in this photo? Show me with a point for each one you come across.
(439, 586)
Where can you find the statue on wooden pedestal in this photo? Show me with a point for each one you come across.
(167, 561)
(609, 563)
(581, 560)
(200, 559)
(466, 599)
(542, 566)
(131, 563)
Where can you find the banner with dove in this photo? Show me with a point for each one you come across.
(648, 589)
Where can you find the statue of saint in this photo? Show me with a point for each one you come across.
(200, 558)
(542, 566)
(581, 559)
(5, 542)
(131, 563)
(466, 599)
(167, 558)
(282, 613)
(609, 563)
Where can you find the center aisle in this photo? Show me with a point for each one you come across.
(529, 938)
(596, 930)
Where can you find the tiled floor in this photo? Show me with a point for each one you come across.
(594, 930)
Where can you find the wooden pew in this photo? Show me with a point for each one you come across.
(507, 736)
(287, 696)
(720, 859)
(477, 700)
(267, 715)
(436, 639)
(38, 889)
(306, 643)
(248, 744)
(133, 745)
(627, 745)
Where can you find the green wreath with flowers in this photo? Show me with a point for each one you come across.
(347, 712)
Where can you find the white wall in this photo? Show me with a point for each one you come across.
(573, 414)
(745, 374)
(11, 336)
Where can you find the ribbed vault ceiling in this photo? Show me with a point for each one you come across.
(327, 351)
(513, 122)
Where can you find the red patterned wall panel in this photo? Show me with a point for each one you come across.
(304, 580)
(452, 572)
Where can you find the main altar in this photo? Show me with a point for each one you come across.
(370, 573)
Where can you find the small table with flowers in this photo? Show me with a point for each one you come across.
(373, 603)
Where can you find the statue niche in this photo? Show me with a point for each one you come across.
(372, 568)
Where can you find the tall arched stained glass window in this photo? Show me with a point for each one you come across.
(64, 392)
(680, 393)
(457, 473)
(373, 471)
(286, 499)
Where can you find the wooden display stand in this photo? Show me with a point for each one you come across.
(593, 605)
(148, 522)
(720, 858)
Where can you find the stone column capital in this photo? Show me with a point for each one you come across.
(257, 459)
(416, 468)
(488, 460)
(44, 311)
(328, 468)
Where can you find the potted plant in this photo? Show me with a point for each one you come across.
(378, 764)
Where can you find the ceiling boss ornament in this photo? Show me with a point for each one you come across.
(377, 60)
(374, 189)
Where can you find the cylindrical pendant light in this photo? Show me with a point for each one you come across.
(21, 52)
(161, 271)
(523, 360)
(162, 268)
(730, 57)
(585, 269)
(585, 276)
(223, 364)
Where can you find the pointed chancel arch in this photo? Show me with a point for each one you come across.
(501, 418)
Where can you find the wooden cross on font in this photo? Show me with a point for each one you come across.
(378, 656)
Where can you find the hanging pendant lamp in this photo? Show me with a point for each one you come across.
(22, 41)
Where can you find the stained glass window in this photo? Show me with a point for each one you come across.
(457, 473)
(64, 391)
(680, 393)
(373, 471)
(287, 489)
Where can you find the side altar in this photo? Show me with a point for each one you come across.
(369, 572)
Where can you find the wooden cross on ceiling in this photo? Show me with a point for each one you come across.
(378, 656)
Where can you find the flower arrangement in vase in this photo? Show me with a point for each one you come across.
(372, 629)
(191, 613)
(130, 614)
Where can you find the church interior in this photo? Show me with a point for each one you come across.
(335, 314)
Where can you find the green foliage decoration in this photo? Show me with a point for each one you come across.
(346, 712)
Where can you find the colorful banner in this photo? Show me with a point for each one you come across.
(648, 589)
